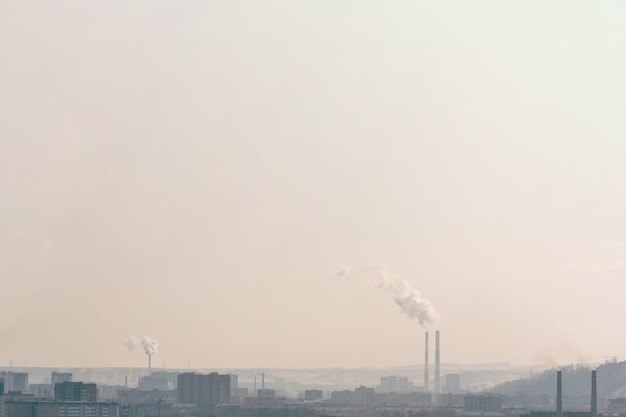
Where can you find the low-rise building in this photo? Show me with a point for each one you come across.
(491, 403)
(313, 394)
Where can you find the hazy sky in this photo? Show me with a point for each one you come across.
(199, 171)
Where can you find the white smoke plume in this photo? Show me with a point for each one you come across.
(132, 343)
(409, 299)
(147, 344)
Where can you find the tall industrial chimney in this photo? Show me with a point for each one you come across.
(559, 395)
(149, 364)
(437, 387)
(594, 395)
(426, 381)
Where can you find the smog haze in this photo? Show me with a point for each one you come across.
(311, 184)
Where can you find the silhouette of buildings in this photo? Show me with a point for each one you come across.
(313, 395)
(491, 403)
(361, 397)
(1, 397)
(14, 381)
(60, 377)
(75, 391)
(265, 402)
(265, 393)
(203, 390)
(15, 408)
(397, 384)
(617, 406)
(163, 381)
(453, 384)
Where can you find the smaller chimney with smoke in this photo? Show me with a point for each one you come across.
(148, 345)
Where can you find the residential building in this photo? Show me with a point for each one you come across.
(75, 391)
(203, 390)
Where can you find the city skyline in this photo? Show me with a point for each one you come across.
(311, 185)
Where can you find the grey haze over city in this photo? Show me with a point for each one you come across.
(243, 187)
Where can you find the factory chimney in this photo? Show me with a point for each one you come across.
(149, 364)
(559, 395)
(426, 381)
(594, 395)
(437, 387)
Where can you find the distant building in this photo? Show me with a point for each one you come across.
(617, 406)
(409, 398)
(135, 396)
(529, 401)
(398, 384)
(313, 394)
(361, 396)
(75, 391)
(343, 397)
(161, 408)
(19, 396)
(60, 409)
(553, 414)
(60, 377)
(234, 386)
(491, 403)
(451, 400)
(14, 381)
(236, 393)
(108, 392)
(203, 390)
(87, 409)
(1, 397)
(41, 391)
(254, 402)
(265, 393)
(163, 381)
(453, 384)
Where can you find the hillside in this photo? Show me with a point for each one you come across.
(576, 382)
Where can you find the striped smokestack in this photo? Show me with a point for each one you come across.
(426, 381)
(559, 395)
(437, 387)
(594, 395)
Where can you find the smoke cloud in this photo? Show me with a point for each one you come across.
(132, 343)
(147, 344)
(410, 301)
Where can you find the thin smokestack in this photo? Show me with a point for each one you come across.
(594, 395)
(426, 381)
(263, 380)
(149, 364)
(559, 395)
(437, 387)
